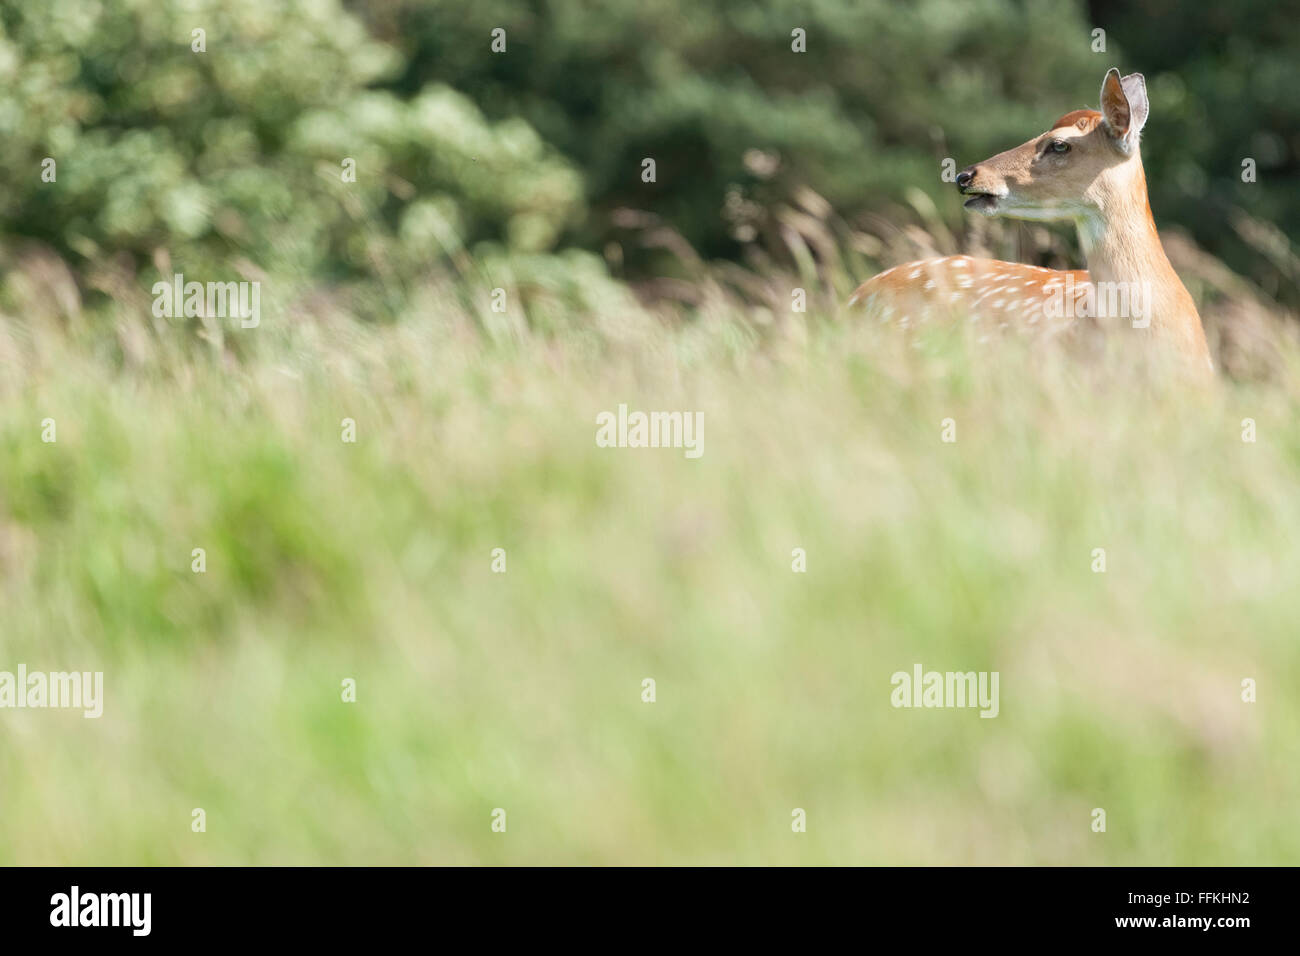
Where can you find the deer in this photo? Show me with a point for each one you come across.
(1086, 169)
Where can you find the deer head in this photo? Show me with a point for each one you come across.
(1079, 169)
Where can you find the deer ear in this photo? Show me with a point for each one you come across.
(1135, 91)
(1114, 104)
(1117, 112)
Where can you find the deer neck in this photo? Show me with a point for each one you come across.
(1119, 239)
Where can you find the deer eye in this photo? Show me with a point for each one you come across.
(1058, 146)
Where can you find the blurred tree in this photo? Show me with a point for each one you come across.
(1223, 81)
(735, 118)
(238, 150)
(465, 152)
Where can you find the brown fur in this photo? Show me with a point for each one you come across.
(1083, 119)
(1099, 184)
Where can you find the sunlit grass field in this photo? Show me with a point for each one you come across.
(328, 560)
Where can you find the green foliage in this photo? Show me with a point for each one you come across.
(1223, 90)
(230, 160)
(884, 92)
(236, 153)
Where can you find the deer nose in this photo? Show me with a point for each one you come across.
(965, 177)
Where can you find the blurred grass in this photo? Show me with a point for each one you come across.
(521, 690)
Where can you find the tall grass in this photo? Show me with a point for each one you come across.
(523, 690)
